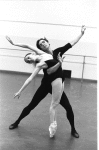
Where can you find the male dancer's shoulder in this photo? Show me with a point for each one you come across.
(62, 49)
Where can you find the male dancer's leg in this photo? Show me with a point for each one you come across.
(70, 115)
(41, 92)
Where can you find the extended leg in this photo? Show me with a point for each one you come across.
(39, 95)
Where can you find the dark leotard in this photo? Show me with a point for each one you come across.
(49, 78)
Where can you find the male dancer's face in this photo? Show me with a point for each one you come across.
(45, 46)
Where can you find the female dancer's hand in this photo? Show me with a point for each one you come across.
(18, 94)
(9, 40)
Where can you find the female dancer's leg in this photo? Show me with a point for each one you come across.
(57, 90)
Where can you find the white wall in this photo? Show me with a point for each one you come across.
(72, 14)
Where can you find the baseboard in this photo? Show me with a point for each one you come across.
(67, 75)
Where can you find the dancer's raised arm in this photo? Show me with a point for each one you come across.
(83, 28)
(34, 49)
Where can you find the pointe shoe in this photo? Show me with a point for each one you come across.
(13, 126)
(52, 129)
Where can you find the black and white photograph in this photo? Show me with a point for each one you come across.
(48, 75)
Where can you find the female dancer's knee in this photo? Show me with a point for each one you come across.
(52, 110)
(54, 105)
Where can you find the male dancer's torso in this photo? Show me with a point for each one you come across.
(59, 73)
(49, 78)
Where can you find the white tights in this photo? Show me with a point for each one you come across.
(57, 90)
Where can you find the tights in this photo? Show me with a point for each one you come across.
(41, 92)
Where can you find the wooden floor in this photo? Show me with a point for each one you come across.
(32, 133)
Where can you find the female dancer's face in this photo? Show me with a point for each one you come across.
(31, 58)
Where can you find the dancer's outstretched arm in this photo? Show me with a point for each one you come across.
(83, 28)
(34, 49)
(38, 67)
(27, 82)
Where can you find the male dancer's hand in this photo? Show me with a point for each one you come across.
(60, 58)
(83, 28)
(54, 68)
(9, 40)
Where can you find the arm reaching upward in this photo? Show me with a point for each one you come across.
(83, 28)
(69, 45)
(34, 49)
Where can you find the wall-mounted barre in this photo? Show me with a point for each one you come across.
(44, 23)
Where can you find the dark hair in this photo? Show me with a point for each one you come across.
(37, 43)
(27, 61)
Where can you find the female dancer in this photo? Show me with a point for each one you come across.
(46, 61)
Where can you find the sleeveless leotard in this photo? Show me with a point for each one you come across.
(49, 78)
